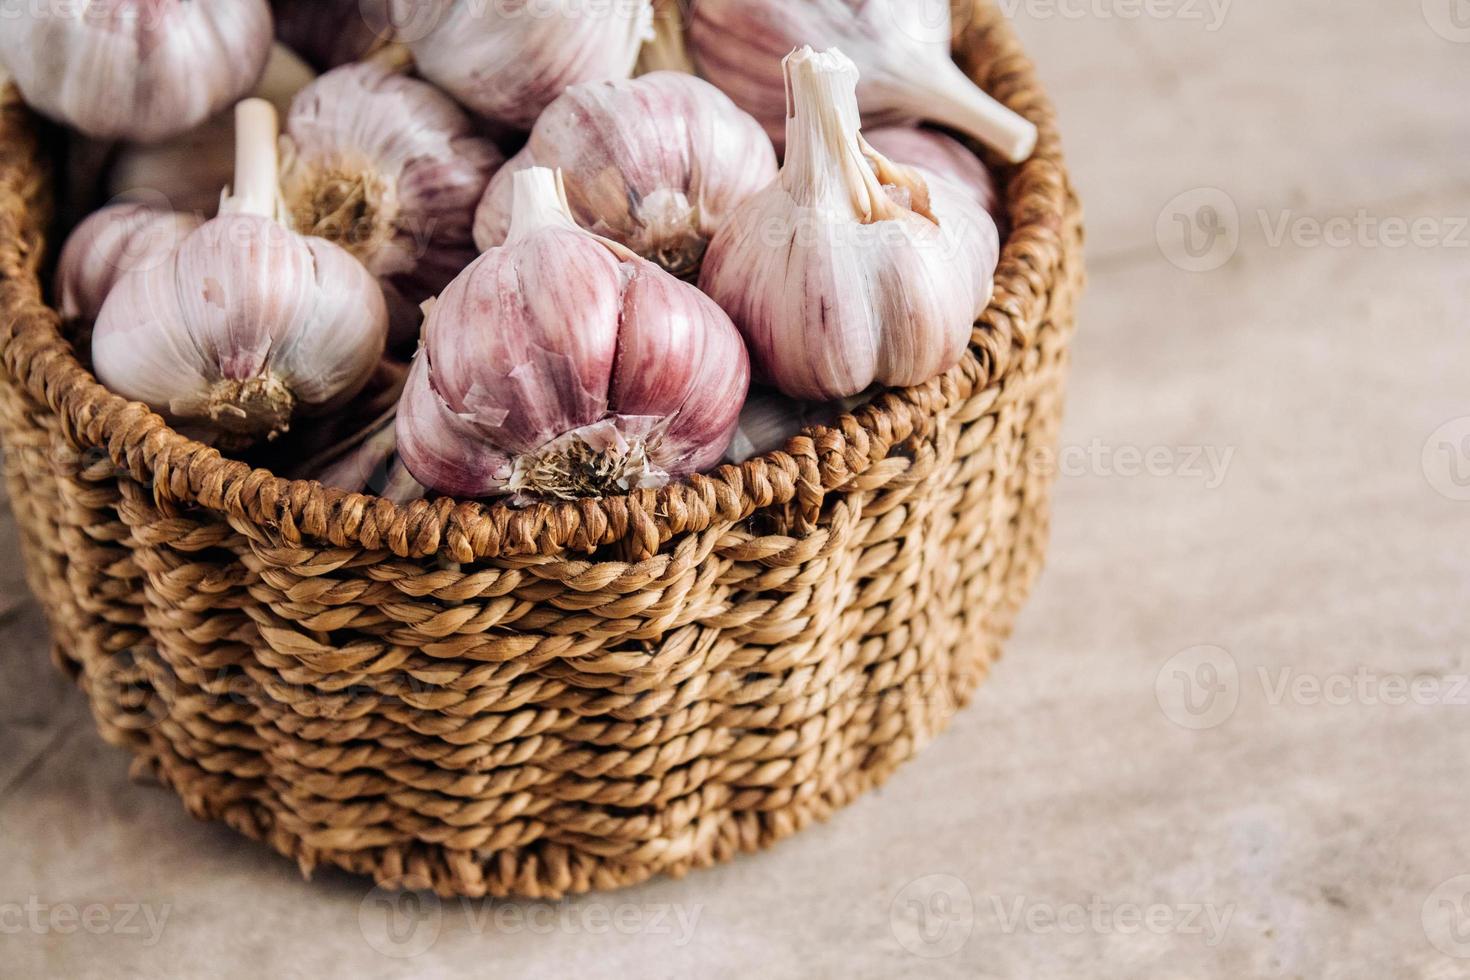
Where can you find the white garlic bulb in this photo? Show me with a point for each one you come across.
(247, 324)
(139, 70)
(849, 269)
(901, 47)
(563, 365)
(390, 169)
(510, 62)
(189, 169)
(655, 163)
(110, 243)
(937, 155)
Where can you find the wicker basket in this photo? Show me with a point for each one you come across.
(484, 700)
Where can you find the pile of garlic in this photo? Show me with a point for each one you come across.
(531, 250)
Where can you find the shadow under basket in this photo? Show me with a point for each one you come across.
(489, 701)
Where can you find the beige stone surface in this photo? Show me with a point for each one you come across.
(1229, 738)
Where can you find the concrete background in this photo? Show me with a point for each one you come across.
(1229, 738)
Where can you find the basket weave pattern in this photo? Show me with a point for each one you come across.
(490, 701)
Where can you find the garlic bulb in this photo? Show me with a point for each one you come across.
(656, 163)
(511, 62)
(849, 269)
(390, 169)
(109, 243)
(189, 169)
(902, 48)
(139, 70)
(246, 324)
(937, 155)
(330, 33)
(562, 365)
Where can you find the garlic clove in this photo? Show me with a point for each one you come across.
(445, 449)
(390, 169)
(902, 48)
(141, 70)
(190, 168)
(510, 64)
(246, 325)
(563, 365)
(348, 307)
(109, 243)
(691, 366)
(138, 350)
(655, 163)
(849, 269)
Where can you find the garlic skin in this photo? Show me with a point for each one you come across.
(247, 324)
(938, 155)
(902, 48)
(390, 169)
(190, 168)
(561, 365)
(109, 243)
(140, 70)
(332, 33)
(668, 49)
(510, 62)
(655, 163)
(849, 269)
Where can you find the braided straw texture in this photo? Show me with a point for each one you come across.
(488, 701)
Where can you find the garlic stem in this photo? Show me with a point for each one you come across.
(257, 164)
(667, 50)
(538, 200)
(948, 97)
(392, 56)
(824, 162)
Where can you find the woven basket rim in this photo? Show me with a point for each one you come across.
(820, 459)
